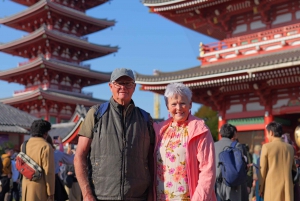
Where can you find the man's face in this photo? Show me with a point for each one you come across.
(122, 90)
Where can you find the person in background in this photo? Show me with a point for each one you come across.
(224, 192)
(184, 152)
(6, 172)
(276, 165)
(287, 138)
(70, 180)
(15, 190)
(59, 156)
(246, 187)
(256, 153)
(43, 154)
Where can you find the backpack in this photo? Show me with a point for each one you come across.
(26, 166)
(233, 166)
(103, 108)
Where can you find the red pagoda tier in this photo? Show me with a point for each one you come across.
(55, 47)
(251, 77)
(78, 5)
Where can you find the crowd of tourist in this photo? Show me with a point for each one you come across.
(122, 154)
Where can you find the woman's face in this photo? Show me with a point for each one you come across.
(179, 107)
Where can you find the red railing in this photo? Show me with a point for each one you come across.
(251, 38)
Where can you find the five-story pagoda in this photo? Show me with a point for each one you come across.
(55, 47)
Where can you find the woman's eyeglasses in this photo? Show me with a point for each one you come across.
(127, 85)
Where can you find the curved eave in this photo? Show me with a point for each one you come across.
(45, 34)
(57, 66)
(157, 4)
(68, 137)
(250, 66)
(65, 130)
(178, 5)
(53, 96)
(23, 17)
(13, 129)
(89, 5)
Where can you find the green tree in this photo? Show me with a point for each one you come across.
(211, 119)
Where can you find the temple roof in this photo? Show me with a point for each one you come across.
(42, 9)
(41, 63)
(237, 66)
(87, 4)
(54, 95)
(44, 36)
(68, 131)
(161, 2)
(62, 129)
(13, 120)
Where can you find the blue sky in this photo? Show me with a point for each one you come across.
(147, 41)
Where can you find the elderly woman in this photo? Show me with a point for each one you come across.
(184, 152)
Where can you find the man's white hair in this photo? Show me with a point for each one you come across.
(177, 88)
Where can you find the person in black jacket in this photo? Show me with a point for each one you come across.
(71, 184)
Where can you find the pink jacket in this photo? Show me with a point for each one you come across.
(201, 168)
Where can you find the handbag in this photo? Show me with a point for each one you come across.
(26, 166)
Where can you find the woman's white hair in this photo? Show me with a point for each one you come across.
(179, 89)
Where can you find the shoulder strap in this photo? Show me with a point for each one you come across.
(24, 147)
(145, 114)
(233, 144)
(101, 110)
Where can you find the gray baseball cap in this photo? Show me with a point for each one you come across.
(119, 72)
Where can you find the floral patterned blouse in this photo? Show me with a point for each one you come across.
(172, 181)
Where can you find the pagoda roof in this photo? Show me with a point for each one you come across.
(13, 120)
(54, 95)
(62, 129)
(87, 4)
(69, 131)
(44, 35)
(248, 66)
(159, 3)
(40, 11)
(60, 66)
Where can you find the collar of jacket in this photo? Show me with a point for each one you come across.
(196, 126)
(120, 108)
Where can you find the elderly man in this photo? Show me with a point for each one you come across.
(114, 156)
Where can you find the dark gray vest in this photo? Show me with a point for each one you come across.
(119, 155)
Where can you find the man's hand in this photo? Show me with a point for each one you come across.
(89, 197)
(50, 198)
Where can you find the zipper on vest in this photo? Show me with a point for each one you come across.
(123, 155)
